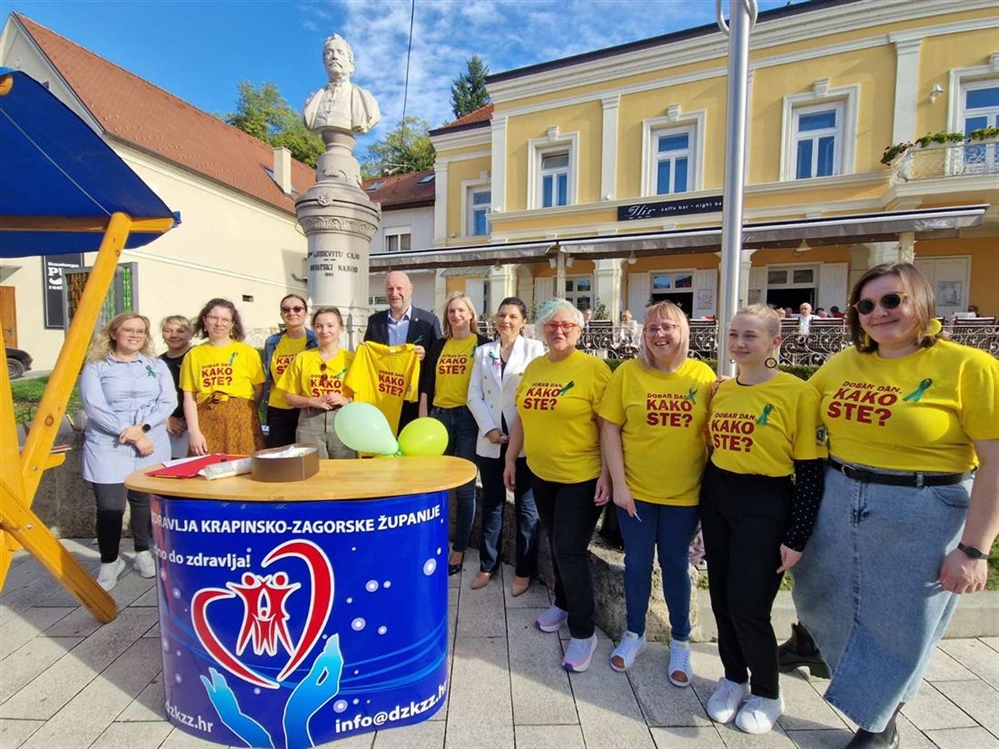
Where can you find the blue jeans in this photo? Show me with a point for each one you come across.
(493, 503)
(668, 529)
(462, 434)
(868, 588)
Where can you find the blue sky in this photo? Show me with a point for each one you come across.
(199, 50)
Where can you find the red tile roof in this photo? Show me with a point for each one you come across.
(475, 117)
(136, 112)
(411, 190)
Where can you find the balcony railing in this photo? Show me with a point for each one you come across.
(947, 160)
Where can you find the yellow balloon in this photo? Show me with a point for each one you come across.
(424, 436)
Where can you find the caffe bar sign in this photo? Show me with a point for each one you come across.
(641, 211)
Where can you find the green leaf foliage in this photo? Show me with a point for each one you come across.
(264, 114)
(407, 148)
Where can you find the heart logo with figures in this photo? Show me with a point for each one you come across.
(265, 620)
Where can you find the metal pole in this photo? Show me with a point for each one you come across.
(742, 15)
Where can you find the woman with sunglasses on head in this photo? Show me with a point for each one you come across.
(222, 380)
(759, 497)
(660, 398)
(280, 351)
(127, 395)
(903, 529)
(558, 427)
(444, 378)
(492, 400)
(314, 383)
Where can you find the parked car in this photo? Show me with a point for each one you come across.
(18, 362)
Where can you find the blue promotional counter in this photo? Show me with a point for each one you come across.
(294, 614)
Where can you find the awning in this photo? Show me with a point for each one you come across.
(60, 182)
(925, 223)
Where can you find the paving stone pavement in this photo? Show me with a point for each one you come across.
(66, 681)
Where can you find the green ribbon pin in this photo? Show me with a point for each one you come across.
(916, 395)
(763, 417)
(569, 386)
(232, 358)
(691, 396)
(149, 369)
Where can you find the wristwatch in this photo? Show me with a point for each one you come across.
(971, 552)
(145, 428)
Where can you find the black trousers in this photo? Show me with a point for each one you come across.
(569, 516)
(111, 500)
(744, 519)
(281, 426)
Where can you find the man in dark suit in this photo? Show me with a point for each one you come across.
(403, 323)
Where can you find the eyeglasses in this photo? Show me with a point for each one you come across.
(652, 331)
(565, 327)
(219, 320)
(888, 301)
(296, 309)
(132, 331)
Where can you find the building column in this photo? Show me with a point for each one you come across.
(502, 281)
(906, 89)
(440, 290)
(608, 277)
(608, 153)
(440, 202)
(865, 256)
(497, 166)
(524, 284)
(745, 264)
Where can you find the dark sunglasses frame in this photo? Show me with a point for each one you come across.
(888, 301)
(296, 309)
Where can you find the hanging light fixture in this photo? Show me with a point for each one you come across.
(632, 259)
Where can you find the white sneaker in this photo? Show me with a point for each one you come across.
(107, 578)
(630, 647)
(579, 654)
(552, 619)
(680, 670)
(144, 564)
(726, 700)
(759, 714)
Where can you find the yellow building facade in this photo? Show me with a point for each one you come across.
(599, 177)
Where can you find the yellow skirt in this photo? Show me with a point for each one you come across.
(230, 425)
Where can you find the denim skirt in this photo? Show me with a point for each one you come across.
(868, 588)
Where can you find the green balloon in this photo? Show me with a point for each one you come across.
(362, 427)
(424, 436)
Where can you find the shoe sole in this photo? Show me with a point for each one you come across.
(549, 627)
(675, 683)
(580, 668)
(624, 669)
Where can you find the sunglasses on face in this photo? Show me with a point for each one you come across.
(296, 309)
(888, 301)
(565, 327)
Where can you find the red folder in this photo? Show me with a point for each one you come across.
(189, 468)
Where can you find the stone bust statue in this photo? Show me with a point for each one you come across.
(341, 105)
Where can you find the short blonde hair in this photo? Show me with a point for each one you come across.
(667, 312)
(446, 324)
(177, 320)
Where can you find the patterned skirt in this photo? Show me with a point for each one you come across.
(230, 425)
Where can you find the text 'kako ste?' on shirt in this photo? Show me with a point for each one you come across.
(557, 403)
(917, 413)
(232, 369)
(657, 411)
(762, 429)
(454, 369)
(385, 376)
(310, 377)
(284, 354)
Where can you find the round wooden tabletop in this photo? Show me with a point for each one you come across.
(336, 480)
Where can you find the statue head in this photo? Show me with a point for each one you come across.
(338, 58)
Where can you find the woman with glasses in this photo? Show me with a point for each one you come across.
(313, 383)
(222, 380)
(558, 427)
(444, 378)
(658, 399)
(492, 394)
(759, 498)
(127, 395)
(280, 350)
(903, 529)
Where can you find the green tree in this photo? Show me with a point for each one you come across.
(407, 148)
(468, 91)
(264, 114)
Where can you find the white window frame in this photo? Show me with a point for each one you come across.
(962, 81)
(397, 233)
(692, 122)
(573, 296)
(791, 268)
(551, 145)
(468, 189)
(818, 99)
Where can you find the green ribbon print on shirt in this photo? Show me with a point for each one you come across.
(691, 396)
(763, 417)
(916, 395)
(569, 386)
(150, 371)
(340, 374)
(232, 358)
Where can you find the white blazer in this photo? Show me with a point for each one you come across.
(492, 389)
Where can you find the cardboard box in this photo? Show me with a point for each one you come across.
(285, 469)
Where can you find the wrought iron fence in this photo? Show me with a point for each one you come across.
(947, 160)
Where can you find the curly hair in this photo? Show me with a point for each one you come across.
(104, 342)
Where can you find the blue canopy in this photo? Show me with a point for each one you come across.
(59, 181)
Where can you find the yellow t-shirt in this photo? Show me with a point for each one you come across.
(305, 376)
(385, 376)
(284, 354)
(917, 413)
(232, 369)
(762, 429)
(659, 411)
(557, 403)
(454, 370)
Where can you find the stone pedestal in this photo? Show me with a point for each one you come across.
(339, 221)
